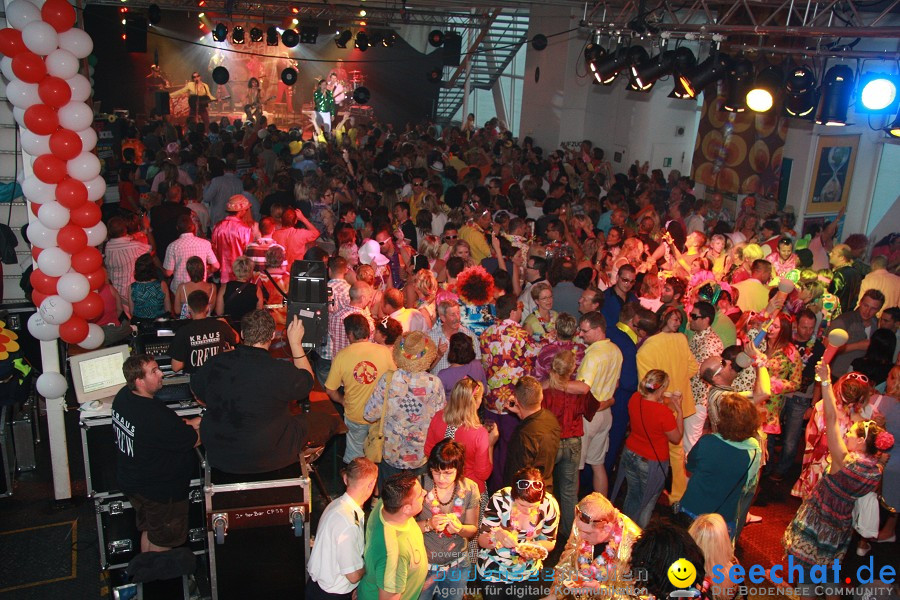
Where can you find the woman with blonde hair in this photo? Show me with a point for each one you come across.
(569, 411)
(541, 324)
(459, 421)
(462, 249)
(656, 421)
(240, 295)
(420, 292)
(711, 535)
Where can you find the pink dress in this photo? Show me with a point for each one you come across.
(475, 441)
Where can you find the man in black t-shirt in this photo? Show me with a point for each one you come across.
(202, 338)
(248, 426)
(155, 456)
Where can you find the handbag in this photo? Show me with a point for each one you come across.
(865, 516)
(373, 447)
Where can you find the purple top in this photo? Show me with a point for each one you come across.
(548, 353)
(451, 375)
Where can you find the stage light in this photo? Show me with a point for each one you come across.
(837, 87)
(362, 12)
(343, 38)
(740, 78)
(295, 10)
(220, 33)
(237, 35)
(362, 41)
(714, 68)
(202, 3)
(377, 39)
(646, 73)
(124, 22)
(608, 68)
(256, 35)
(201, 15)
(761, 97)
(436, 38)
(154, 14)
(271, 36)
(309, 35)
(290, 38)
(893, 129)
(877, 93)
(295, 21)
(800, 93)
(390, 39)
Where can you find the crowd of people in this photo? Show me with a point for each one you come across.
(503, 318)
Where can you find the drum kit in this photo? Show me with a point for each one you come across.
(344, 98)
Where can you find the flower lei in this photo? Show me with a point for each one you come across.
(884, 441)
(436, 506)
(597, 568)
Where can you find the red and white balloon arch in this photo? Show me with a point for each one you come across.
(42, 55)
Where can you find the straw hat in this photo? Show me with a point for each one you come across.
(414, 352)
(237, 203)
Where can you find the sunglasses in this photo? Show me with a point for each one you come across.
(524, 484)
(382, 243)
(417, 185)
(696, 316)
(586, 519)
(450, 237)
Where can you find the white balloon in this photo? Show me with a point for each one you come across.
(84, 167)
(51, 385)
(40, 38)
(88, 138)
(54, 262)
(76, 116)
(38, 3)
(54, 215)
(42, 236)
(96, 188)
(6, 68)
(81, 88)
(62, 63)
(55, 310)
(73, 287)
(21, 94)
(37, 191)
(95, 337)
(75, 41)
(19, 116)
(35, 144)
(21, 12)
(41, 329)
(96, 235)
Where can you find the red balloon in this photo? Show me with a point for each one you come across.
(43, 282)
(72, 239)
(41, 119)
(35, 207)
(86, 215)
(65, 144)
(71, 193)
(35, 252)
(11, 41)
(49, 169)
(87, 260)
(90, 308)
(96, 279)
(38, 297)
(54, 91)
(74, 330)
(29, 67)
(59, 14)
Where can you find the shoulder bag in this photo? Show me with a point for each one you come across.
(373, 447)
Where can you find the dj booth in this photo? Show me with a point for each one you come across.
(249, 534)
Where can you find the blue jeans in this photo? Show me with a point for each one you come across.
(791, 430)
(646, 479)
(448, 583)
(565, 482)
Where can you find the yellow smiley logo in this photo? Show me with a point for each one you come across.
(682, 573)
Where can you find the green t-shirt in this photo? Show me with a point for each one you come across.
(395, 558)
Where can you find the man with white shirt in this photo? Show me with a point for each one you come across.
(449, 322)
(535, 271)
(409, 318)
(336, 563)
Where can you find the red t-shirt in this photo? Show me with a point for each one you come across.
(568, 410)
(649, 423)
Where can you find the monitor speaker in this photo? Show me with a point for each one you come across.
(309, 298)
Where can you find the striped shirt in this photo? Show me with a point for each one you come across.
(178, 253)
(119, 258)
(337, 336)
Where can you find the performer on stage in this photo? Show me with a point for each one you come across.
(156, 82)
(223, 90)
(199, 97)
(324, 103)
(339, 93)
(253, 108)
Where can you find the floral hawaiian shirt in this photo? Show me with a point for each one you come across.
(507, 353)
(703, 345)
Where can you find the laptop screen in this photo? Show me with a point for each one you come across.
(98, 375)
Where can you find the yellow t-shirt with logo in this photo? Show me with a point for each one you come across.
(358, 368)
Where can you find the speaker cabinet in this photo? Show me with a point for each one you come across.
(161, 103)
(309, 297)
(452, 49)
